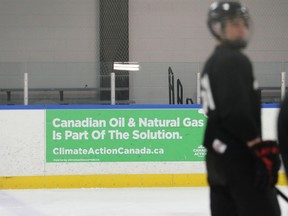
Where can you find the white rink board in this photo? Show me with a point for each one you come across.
(22, 150)
(22, 146)
(269, 123)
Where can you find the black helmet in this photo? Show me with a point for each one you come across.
(220, 12)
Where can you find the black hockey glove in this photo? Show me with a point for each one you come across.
(267, 163)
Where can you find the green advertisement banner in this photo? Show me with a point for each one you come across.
(117, 135)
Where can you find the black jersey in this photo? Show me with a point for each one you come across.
(230, 99)
(282, 131)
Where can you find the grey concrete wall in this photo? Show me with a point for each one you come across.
(55, 41)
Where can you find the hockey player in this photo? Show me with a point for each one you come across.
(242, 169)
(282, 131)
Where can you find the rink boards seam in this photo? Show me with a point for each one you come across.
(110, 181)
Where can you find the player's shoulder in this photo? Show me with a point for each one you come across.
(224, 54)
(226, 59)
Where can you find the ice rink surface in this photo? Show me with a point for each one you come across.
(110, 202)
